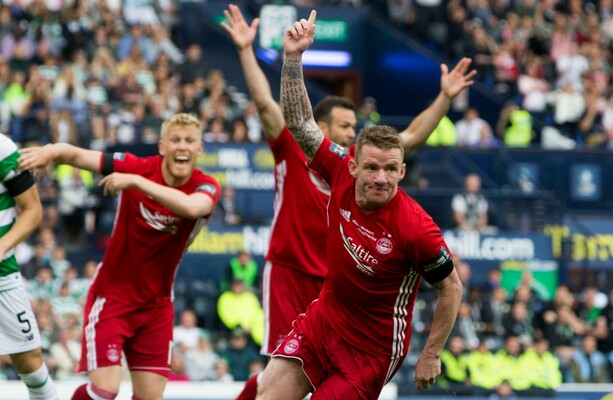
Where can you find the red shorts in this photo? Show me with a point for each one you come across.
(335, 369)
(286, 294)
(143, 334)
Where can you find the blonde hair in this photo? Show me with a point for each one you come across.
(181, 120)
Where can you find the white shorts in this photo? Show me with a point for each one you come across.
(18, 328)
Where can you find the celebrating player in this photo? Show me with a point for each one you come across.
(163, 202)
(295, 267)
(351, 341)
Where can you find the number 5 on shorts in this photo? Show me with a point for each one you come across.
(20, 318)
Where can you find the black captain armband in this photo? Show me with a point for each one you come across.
(107, 164)
(438, 268)
(19, 183)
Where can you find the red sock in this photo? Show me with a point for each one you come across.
(250, 390)
(101, 394)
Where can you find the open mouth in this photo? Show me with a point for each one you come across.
(182, 160)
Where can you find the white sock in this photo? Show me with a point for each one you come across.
(40, 385)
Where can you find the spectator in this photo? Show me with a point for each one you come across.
(238, 307)
(514, 126)
(200, 361)
(193, 66)
(43, 286)
(59, 264)
(473, 131)
(545, 368)
(367, 114)
(479, 362)
(161, 43)
(513, 366)
(571, 68)
(517, 323)
(254, 125)
(454, 371)
(222, 371)
(470, 208)
(444, 134)
(466, 327)
(240, 354)
(186, 334)
(136, 37)
(74, 188)
(65, 354)
(243, 267)
(588, 365)
(240, 131)
(534, 88)
(177, 368)
(228, 209)
(216, 132)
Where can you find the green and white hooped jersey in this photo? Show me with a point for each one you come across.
(8, 170)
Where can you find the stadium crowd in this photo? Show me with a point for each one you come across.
(98, 74)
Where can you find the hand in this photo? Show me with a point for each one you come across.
(116, 181)
(452, 83)
(300, 36)
(242, 34)
(426, 370)
(33, 157)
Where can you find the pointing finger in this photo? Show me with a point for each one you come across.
(312, 17)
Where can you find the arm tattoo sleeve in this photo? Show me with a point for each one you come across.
(297, 109)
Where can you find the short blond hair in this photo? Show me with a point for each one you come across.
(181, 120)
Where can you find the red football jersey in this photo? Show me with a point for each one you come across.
(297, 234)
(148, 240)
(377, 260)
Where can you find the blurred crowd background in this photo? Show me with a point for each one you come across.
(100, 74)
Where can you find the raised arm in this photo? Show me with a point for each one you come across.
(295, 102)
(452, 84)
(61, 153)
(243, 36)
(428, 365)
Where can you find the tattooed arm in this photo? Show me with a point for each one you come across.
(295, 102)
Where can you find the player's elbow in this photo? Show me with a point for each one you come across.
(37, 214)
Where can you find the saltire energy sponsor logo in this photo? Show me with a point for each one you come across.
(160, 222)
(119, 156)
(359, 254)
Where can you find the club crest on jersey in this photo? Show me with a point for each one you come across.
(338, 150)
(291, 346)
(384, 246)
(160, 222)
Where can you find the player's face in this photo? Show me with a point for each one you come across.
(377, 172)
(180, 146)
(341, 129)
